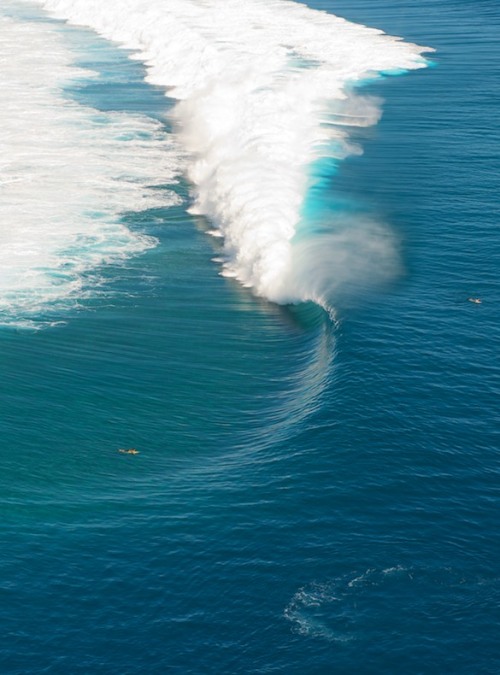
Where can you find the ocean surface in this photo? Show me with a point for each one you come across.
(314, 400)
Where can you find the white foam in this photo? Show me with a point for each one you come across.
(264, 90)
(67, 174)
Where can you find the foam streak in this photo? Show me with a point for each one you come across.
(65, 176)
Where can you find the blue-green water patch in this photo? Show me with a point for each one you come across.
(307, 497)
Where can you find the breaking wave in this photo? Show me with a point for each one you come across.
(265, 90)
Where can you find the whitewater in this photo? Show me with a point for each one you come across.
(265, 90)
(66, 178)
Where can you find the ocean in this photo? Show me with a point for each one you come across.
(241, 238)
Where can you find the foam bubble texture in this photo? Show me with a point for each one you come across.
(67, 174)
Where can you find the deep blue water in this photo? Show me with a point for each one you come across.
(308, 497)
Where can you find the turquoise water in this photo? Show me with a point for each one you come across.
(309, 497)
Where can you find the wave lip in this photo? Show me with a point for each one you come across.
(264, 89)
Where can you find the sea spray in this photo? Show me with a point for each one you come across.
(264, 90)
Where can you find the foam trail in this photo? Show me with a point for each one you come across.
(264, 89)
(65, 177)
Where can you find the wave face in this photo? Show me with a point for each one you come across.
(265, 91)
(66, 177)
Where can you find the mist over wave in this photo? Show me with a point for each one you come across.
(264, 90)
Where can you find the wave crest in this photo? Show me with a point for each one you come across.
(259, 85)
